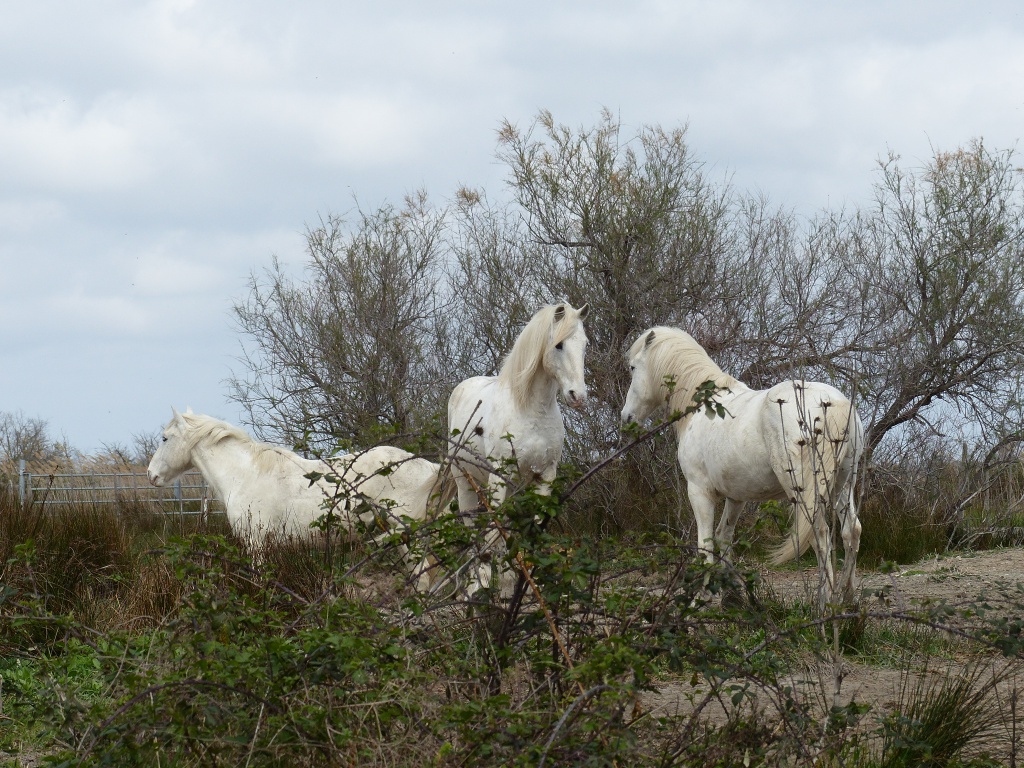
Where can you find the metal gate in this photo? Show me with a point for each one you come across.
(189, 494)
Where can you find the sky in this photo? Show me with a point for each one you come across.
(155, 155)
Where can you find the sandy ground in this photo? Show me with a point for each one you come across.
(954, 578)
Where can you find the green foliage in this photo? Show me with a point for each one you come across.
(317, 658)
(244, 671)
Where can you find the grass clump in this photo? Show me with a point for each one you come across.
(936, 722)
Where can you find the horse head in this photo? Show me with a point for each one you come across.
(644, 396)
(174, 454)
(566, 351)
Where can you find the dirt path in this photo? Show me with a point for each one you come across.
(952, 577)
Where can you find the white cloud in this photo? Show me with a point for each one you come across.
(27, 215)
(52, 142)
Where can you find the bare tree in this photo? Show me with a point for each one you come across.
(135, 454)
(25, 437)
(493, 280)
(914, 304)
(943, 254)
(356, 351)
(630, 225)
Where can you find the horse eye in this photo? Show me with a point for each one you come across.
(558, 345)
(632, 368)
(164, 438)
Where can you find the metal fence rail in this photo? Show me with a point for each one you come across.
(188, 495)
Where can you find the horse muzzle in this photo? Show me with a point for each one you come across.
(576, 400)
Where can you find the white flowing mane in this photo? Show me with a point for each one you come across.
(674, 354)
(524, 361)
(210, 431)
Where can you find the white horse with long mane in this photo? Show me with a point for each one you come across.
(514, 416)
(799, 441)
(265, 488)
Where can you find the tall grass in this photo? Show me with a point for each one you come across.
(921, 499)
(91, 560)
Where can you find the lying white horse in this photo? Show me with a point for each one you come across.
(514, 417)
(265, 489)
(800, 441)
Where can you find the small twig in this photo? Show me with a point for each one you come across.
(255, 733)
(584, 695)
(643, 438)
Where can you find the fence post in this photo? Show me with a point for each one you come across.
(22, 481)
(177, 496)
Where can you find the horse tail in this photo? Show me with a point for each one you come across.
(798, 540)
(439, 490)
(442, 489)
(828, 431)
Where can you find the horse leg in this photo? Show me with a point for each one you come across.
(494, 543)
(812, 501)
(467, 495)
(851, 545)
(491, 547)
(469, 492)
(727, 527)
(703, 501)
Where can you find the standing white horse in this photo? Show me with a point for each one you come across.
(514, 416)
(800, 441)
(265, 489)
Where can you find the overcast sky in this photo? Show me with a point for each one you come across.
(154, 154)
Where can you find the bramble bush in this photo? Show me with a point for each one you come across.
(356, 668)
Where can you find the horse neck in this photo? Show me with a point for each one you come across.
(540, 392)
(226, 465)
(689, 377)
(531, 385)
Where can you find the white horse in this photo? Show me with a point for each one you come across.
(799, 441)
(265, 489)
(513, 419)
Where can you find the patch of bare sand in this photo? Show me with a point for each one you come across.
(953, 577)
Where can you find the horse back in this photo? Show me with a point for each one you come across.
(803, 410)
(386, 473)
(470, 400)
(748, 454)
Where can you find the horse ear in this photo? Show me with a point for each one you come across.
(649, 340)
(174, 413)
(559, 313)
(584, 310)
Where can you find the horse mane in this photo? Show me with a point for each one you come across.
(524, 361)
(210, 430)
(673, 353)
